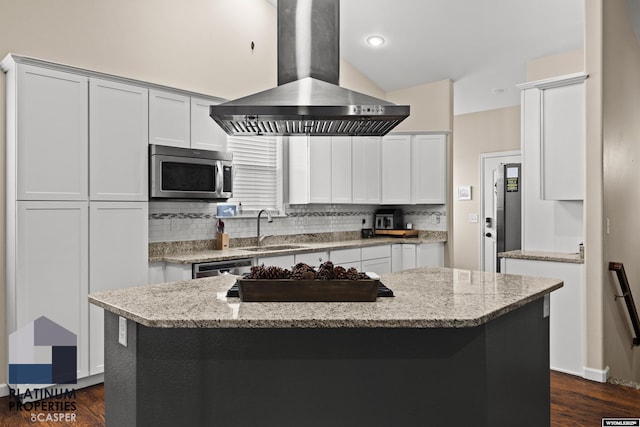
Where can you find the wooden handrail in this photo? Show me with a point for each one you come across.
(628, 298)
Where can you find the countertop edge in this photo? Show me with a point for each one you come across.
(324, 323)
(239, 253)
(570, 258)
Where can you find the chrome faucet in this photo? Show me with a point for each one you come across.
(269, 219)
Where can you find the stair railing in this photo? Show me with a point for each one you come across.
(628, 298)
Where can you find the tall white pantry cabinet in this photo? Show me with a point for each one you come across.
(77, 197)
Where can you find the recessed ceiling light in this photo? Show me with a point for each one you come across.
(497, 91)
(375, 40)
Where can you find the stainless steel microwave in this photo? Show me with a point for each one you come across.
(184, 173)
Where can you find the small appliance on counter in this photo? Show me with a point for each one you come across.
(389, 219)
(389, 222)
(366, 233)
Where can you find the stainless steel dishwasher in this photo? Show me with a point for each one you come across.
(219, 268)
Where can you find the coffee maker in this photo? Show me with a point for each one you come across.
(388, 219)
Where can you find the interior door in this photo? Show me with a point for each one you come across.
(489, 165)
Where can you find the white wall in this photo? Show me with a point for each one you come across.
(621, 199)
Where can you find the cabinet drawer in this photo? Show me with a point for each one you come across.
(343, 256)
(373, 252)
(314, 259)
(282, 261)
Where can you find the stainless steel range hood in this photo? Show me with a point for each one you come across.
(308, 100)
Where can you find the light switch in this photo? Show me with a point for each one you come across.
(122, 331)
(473, 217)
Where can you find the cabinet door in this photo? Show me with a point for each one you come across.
(341, 169)
(429, 169)
(319, 169)
(282, 261)
(396, 169)
(206, 134)
(366, 170)
(378, 266)
(51, 268)
(430, 255)
(563, 143)
(298, 170)
(118, 248)
(52, 133)
(408, 256)
(118, 138)
(169, 119)
(314, 259)
(396, 258)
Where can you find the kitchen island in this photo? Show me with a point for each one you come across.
(453, 347)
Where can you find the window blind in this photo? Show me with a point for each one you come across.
(257, 162)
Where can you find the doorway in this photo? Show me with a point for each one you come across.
(489, 163)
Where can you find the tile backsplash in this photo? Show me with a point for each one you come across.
(177, 221)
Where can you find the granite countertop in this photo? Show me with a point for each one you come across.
(305, 247)
(573, 258)
(427, 297)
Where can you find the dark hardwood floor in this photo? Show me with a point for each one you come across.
(574, 402)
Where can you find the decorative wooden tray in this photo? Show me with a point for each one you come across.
(289, 290)
(398, 233)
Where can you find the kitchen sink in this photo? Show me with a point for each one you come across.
(274, 248)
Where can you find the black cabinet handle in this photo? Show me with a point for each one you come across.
(488, 235)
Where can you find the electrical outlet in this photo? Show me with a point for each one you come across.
(122, 331)
(473, 217)
(435, 219)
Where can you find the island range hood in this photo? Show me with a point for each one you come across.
(308, 100)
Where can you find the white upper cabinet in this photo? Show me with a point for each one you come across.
(563, 142)
(396, 169)
(341, 169)
(366, 170)
(178, 120)
(309, 169)
(429, 169)
(206, 134)
(118, 140)
(319, 169)
(51, 135)
(169, 119)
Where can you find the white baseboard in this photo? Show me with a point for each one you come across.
(4, 390)
(567, 371)
(599, 375)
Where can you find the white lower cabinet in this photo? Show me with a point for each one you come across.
(411, 255)
(430, 255)
(118, 258)
(282, 261)
(156, 273)
(346, 258)
(174, 272)
(376, 259)
(408, 256)
(63, 252)
(378, 265)
(566, 319)
(314, 259)
(49, 274)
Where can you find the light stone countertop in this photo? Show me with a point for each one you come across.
(306, 247)
(427, 297)
(573, 258)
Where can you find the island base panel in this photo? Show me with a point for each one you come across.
(495, 374)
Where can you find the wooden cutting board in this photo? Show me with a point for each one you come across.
(398, 233)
